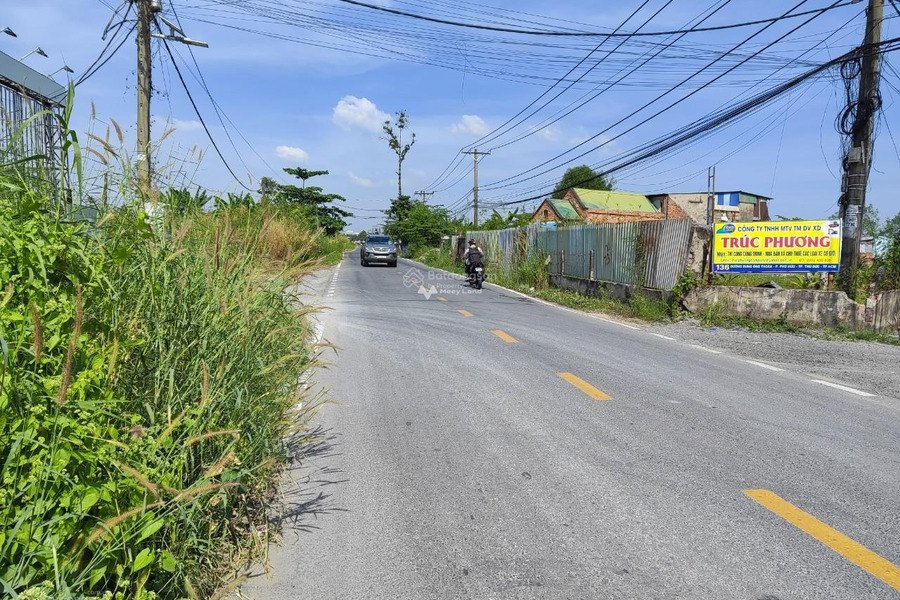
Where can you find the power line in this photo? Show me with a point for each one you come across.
(495, 185)
(698, 128)
(94, 67)
(200, 117)
(493, 135)
(583, 33)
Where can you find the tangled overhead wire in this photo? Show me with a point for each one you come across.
(857, 115)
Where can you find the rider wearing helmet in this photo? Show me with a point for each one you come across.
(473, 255)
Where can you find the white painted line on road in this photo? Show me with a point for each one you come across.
(763, 365)
(616, 322)
(699, 347)
(844, 388)
(665, 337)
(319, 332)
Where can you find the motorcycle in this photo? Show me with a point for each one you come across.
(476, 275)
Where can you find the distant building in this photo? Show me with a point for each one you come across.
(552, 210)
(599, 206)
(733, 206)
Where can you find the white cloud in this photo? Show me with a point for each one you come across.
(186, 125)
(470, 124)
(292, 153)
(351, 111)
(177, 124)
(361, 181)
(551, 134)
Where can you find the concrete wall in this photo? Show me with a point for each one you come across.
(799, 307)
(886, 313)
(698, 261)
(604, 289)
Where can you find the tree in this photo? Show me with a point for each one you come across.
(305, 174)
(891, 226)
(267, 189)
(870, 223)
(511, 219)
(313, 200)
(394, 136)
(422, 225)
(361, 236)
(399, 210)
(583, 177)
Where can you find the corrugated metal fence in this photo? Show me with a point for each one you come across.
(653, 254)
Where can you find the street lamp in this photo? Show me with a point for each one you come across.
(63, 68)
(39, 51)
(177, 35)
(9, 32)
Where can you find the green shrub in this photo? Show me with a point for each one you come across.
(148, 382)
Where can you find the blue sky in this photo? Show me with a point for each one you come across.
(299, 103)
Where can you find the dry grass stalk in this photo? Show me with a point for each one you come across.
(106, 145)
(110, 524)
(224, 591)
(220, 465)
(235, 433)
(118, 130)
(73, 345)
(141, 478)
(203, 489)
(99, 156)
(204, 385)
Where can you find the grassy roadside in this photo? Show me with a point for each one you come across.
(148, 385)
(531, 279)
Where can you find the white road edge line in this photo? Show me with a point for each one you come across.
(319, 332)
(665, 337)
(710, 350)
(844, 388)
(763, 365)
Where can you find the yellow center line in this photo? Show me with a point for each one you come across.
(441, 298)
(465, 313)
(585, 387)
(856, 553)
(504, 336)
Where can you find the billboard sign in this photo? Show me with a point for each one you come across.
(777, 247)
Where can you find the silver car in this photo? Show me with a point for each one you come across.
(378, 249)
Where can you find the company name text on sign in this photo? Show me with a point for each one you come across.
(777, 247)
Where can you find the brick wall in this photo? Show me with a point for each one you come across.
(620, 216)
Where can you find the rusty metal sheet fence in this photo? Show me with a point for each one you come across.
(653, 254)
(665, 249)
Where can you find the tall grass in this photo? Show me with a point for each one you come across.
(148, 381)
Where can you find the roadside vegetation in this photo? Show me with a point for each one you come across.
(149, 368)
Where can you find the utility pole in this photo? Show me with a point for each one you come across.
(858, 161)
(475, 154)
(424, 195)
(145, 10)
(711, 195)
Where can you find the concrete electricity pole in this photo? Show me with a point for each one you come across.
(424, 195)
(475, 154)
(858, 162)
(145, 11)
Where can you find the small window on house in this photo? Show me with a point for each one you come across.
(546, 213)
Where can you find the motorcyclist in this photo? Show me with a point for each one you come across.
(473, 255)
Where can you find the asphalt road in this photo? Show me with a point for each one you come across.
(461, 464)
